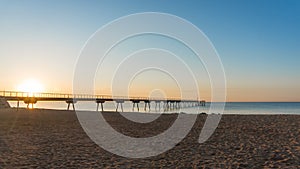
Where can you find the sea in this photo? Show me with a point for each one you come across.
(230, 107)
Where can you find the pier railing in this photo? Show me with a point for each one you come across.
(18, 94)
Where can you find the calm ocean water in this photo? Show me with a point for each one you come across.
(230, 108)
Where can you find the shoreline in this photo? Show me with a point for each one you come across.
(143, 112)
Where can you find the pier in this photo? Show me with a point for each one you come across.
(72, 99)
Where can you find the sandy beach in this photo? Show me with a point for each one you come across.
(54, 139)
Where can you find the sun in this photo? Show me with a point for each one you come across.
(31, 86)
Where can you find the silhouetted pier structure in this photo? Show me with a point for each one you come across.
(72, 99)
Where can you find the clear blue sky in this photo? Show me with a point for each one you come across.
(258, 40)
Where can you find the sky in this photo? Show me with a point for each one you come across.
(258, 42)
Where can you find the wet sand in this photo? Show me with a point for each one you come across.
(55, 139)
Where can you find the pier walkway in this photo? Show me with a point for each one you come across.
(72, 99)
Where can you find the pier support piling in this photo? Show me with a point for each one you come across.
(147, 102)
(135, 102)
(157, 103)
(119, 102)
(101, 101)
(69, 102)
(30, 100)
(18, 105)
(202, 103)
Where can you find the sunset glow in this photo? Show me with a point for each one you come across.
(257, 43)
(31, 86)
